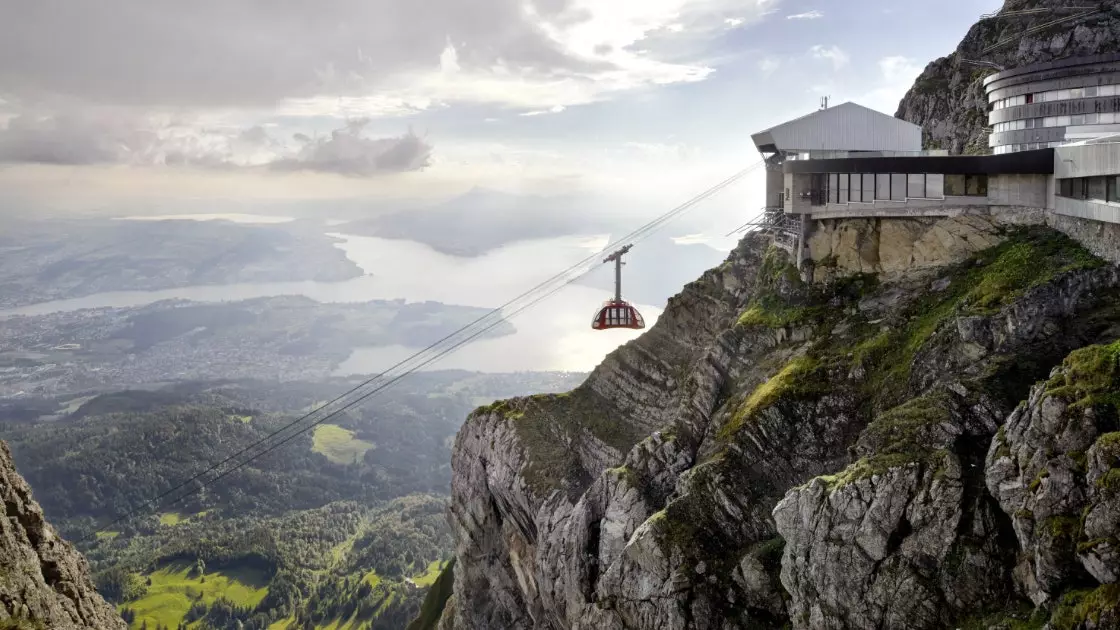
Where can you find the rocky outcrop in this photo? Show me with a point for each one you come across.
(948, 99)
(891, 246)
(1055, 468)
(774, 452)
(44, 581)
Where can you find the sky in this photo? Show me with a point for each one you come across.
(167, 101)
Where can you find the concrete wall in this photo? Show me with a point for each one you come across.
(1088, 160)
(775, 184)
(1103, 239)
(1087, 209)
(949, 206)
(1018, 190)
(796, 183)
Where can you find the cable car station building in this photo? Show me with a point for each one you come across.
(849, 161)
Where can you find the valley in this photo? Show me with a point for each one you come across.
(283, 337)
(345, 527)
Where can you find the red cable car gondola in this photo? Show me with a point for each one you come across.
(617, 313)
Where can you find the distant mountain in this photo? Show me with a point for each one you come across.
(481, 220)
(656, 269)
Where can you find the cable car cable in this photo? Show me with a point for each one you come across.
(635, 236)
(371, 393)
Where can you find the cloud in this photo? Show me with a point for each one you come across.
(833, 53)
(113, 137)
(69, 140)
(768, 65)
(555, 109)
(347, 152)
(808, 15)
(399, 56)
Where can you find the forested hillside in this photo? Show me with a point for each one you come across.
(345, 526)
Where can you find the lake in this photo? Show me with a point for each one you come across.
(554, 334)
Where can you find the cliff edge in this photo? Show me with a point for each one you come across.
(934, 450)
(44, 581)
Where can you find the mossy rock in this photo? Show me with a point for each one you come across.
(799, 379)
(1090, 377)
(905, 429)
(1076, 608)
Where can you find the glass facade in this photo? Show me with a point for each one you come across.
(1104, 118)
(966, 185)
(1044, 115)
(872, 187)
(1013, 148)
(1058, 95)
(1095, 188)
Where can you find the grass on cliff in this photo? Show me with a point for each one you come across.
(899, 437)
(1022, 616)
(981, 285)
(769, 308)
(549, 426)
(1091, 376)
(797, 380)
(1078, 607)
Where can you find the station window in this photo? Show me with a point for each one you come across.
(883, 186)
(976, 185)
(916, 185)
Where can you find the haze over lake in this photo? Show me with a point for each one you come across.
(554, 334)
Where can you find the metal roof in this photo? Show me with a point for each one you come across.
(844, 127)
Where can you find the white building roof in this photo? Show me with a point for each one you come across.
(844, 127)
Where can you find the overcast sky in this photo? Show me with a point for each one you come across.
(284, 99)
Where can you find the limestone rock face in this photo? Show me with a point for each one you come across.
(774, 452)
(948, 99)
(44, 581)
(1055, 469)
(891, 246)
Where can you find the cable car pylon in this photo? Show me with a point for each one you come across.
(618, 313)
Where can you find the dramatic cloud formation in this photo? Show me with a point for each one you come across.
(191, 83)
(165, 53)
(105, 138)
(346, 152)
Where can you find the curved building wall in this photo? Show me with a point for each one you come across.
(1046, 104)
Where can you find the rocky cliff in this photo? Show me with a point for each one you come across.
(44, 582)
(933, 447)
(948, 99)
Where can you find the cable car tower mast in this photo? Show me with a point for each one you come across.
(617, 258)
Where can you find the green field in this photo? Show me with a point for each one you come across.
(427, 578)
(339, 445)
(173, 591)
